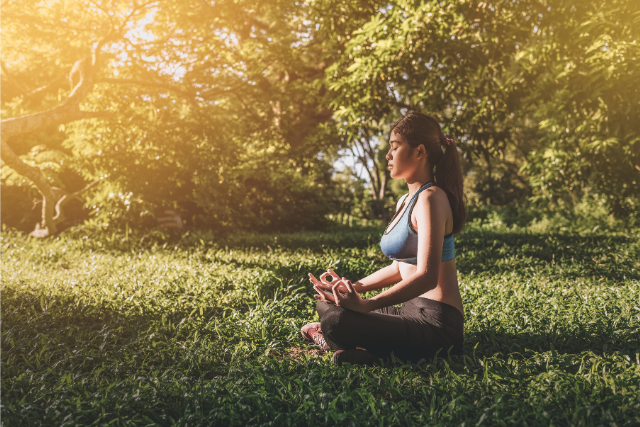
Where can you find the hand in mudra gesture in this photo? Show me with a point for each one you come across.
(326, 285)
(340, 292)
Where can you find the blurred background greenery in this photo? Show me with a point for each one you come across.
(275, 115)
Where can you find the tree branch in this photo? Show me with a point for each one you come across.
(67, 111)
(83, 68)
(56, 116)
(145, 83)
(34, 174)
(376, 170)
(68, 197)
(365, 165)
(366, 148)
(45, 87)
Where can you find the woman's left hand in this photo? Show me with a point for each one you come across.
(350, 299)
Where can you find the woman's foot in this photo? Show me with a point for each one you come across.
(312, 332)
(355, 356)
(308, 327)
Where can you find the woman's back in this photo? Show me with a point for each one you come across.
(447, 289)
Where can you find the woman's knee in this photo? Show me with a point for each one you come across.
(322, 308)
(325, 309)
(332, 319)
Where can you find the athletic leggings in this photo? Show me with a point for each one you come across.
(414, 331)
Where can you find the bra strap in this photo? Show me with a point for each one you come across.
(424, 187)
(412, 202)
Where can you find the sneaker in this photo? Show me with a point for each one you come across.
(312, 332)
(306, 328)
(354, 356)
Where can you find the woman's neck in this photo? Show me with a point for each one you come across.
(415, 182)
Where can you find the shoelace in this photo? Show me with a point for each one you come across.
(319, 340)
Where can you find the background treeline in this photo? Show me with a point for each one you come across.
(233, 113)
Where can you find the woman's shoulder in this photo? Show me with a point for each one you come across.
(433, 194)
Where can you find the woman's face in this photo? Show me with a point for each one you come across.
(402, 159)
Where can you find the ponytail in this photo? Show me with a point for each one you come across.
(448, 175)
(419, 129)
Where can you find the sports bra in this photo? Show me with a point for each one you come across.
(401, 242)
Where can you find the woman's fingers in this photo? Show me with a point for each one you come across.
(324, 296)
(320, 295)
(331, 273)
(323, 279)
(349, 286)
(336, 292)
(317, 282)
(313, 279)
(319, 292)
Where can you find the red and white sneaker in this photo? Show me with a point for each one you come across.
(312, 332)
(307, 328)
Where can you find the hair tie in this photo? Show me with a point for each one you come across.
(449, 140)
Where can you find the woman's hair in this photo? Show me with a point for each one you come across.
(419, 129)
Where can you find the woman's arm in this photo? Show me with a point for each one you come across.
(432, 209)
(382, 278)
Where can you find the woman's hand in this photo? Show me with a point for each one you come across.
(323, 284)
(350, 299)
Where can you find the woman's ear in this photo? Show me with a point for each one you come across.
(421, 151)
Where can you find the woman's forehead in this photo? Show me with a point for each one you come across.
(396, 137)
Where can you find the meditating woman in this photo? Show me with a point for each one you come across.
(422, 312)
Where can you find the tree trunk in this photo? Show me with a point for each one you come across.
(47, 226)
(67, 111)
(487, 158)
(378, 177)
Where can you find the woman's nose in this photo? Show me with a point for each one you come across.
(387, 156)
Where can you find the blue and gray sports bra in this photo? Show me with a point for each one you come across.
(401, 242)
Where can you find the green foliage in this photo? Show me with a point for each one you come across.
(587, 89)
(590, 214)
(545, 91)
(200, 331)
(221, 110)
(216, 108)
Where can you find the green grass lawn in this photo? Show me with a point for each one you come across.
(204, 332)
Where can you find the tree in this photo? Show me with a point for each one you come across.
(212, 107)
(497, 75)
(585, 82)
(364, 149)
(75, 35)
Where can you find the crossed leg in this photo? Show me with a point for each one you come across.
(398, 330)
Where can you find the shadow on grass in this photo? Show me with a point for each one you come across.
(601, 342)
(615, 257)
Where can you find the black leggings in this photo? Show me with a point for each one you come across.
(414, 331)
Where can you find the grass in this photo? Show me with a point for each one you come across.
(201, 331)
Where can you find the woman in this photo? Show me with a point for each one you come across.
(419, 240)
